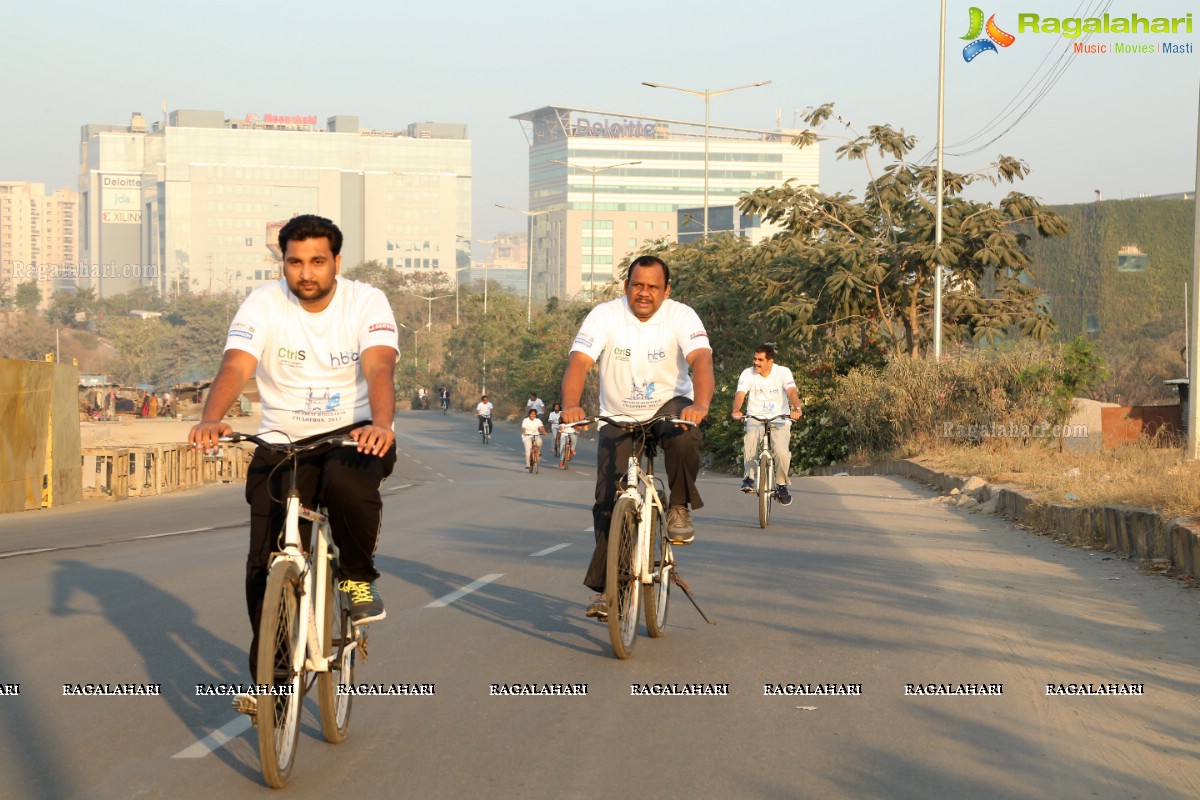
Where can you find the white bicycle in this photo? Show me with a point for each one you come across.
(305, 633)
(641, 565)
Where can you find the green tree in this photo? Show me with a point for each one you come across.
(28, 297)
(844, 267)
(72, 308)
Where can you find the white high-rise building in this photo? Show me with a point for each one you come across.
(37, 236)
(641, 171)
(195, 204)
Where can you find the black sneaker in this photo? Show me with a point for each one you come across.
(365, 603)
(748, 485)
(598, 608)
(783, 496)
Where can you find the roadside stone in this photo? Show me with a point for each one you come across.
(990, 506)
(954, 493)
(973, 484)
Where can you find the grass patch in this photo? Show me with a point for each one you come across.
(1138, 475)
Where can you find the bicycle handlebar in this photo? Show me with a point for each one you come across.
(768, 420)
(289, 447)
(628, 423)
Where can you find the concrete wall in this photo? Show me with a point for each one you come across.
(39, 435)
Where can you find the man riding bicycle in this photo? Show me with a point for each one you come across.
(767, 388)
(483, 410)
(645, 344)
(324, 352)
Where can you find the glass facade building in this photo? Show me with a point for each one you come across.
(577, 243)
(196, 204)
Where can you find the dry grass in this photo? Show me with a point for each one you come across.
(1138, 475)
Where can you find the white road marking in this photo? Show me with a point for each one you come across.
(174, 533)
(442, 602)
(550, 550)
(230, 730)
(28, 552)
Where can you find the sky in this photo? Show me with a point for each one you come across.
(1123, 124)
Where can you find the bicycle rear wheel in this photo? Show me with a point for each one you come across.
(621, 585)
(657, 594)
(766, 491)
(280, 664)
(337, 636)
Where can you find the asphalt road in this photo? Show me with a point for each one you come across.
(863, 583)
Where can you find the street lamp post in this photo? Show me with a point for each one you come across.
(429, 300)
(414, 332)
(485, 275)
(707, 94)
(529, 294)
(593, 171)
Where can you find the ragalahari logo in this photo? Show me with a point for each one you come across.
(995, 36)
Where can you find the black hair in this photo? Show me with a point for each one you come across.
(310, 226)
(767, 350)
(649, 261)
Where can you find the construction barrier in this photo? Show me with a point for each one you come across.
(141, 470)
(106, 473)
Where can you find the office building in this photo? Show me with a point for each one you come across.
(195, 203)
(641, 171)
(37, 236)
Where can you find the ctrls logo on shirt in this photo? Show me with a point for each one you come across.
(995, 36)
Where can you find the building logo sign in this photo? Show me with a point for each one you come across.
(624, 129)
(994, 35)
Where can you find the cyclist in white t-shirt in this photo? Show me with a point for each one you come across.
(532, 430)
(767, 389)
(324, 352)
(483, 410)
(654, 357)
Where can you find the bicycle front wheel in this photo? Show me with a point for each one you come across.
(337, 637)
(657, 594)
(766, 490)
(565, 457)
(280, 664)
(621, 583)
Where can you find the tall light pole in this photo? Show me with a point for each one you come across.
(485, 277)
(429, 300)
(529, 295)
(414, 332)
(707, 94)
(937, 236)
(593, 171)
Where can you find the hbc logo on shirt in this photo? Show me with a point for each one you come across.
(345, 358)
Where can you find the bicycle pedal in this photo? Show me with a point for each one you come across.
(247, 704)
(362, 645)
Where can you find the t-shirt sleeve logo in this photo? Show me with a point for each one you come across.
(381, 326)
(241, 330)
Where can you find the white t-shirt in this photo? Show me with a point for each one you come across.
(535, 404)
(309, 375)
(766, 395)
(531, 427)
(484, 409)
(642, 364)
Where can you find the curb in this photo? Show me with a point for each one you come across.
(1137, 532)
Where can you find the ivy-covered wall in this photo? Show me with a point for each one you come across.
(1131, 312)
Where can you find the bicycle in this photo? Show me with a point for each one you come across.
(305, 633)
(565, 450)
(535, 453)
(445, 405)
(766, 469)
(485, 429)
(639, 547)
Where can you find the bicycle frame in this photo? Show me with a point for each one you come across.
(636, 476)
(314, 574)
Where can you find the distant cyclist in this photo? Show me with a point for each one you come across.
(444, 398)
(553, 419)
(483, 410)
(532, 432)
(767, 389)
